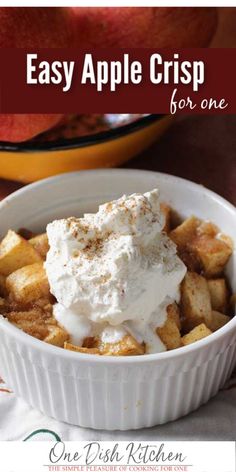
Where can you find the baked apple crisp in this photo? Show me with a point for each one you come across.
(202, 304)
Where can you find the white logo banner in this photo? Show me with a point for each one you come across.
(123, 456)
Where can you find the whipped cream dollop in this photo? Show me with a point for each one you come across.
(114, 272)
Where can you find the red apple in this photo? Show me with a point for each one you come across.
(36, 27)
(144, 26)
(32, 28)
(16, 128)
(41, 27)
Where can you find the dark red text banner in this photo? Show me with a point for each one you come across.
(118, 81)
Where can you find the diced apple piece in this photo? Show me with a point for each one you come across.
(218, 320)
(28, 283)
(16, 252)
(212, 253)
(185, 232)
(173, 312)
(169, 334)
(40, 244)
(82, 350)
(182, 236)
(195, 300)
(128, 346)
(207, 228)
(227, 240)
(219, 294)
(199, 332)
(57, 336)
(166, 211)
(190, 260)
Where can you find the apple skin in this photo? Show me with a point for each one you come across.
(144, 26)
(36, 27)
(16, 128)
(32, 28)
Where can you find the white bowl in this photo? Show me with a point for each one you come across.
(114, 392)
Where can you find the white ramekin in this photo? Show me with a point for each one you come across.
(105, 392)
